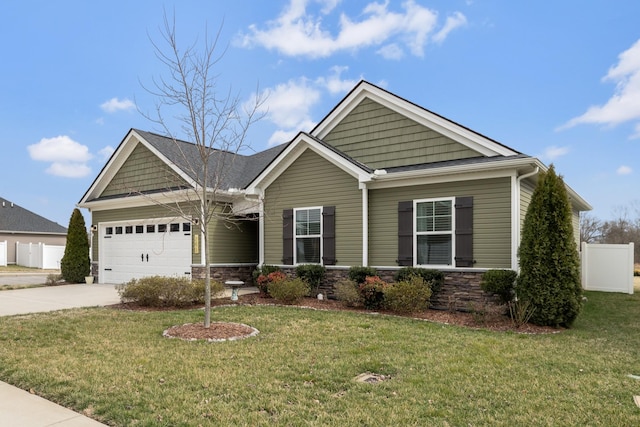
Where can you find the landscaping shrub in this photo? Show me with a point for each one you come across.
(75, 263)
(408, 296)
(288, 291)
(433, 277)
(264, 271)
(372, 292)
(358, 274)
(312, 274)
(347, 292)
(500, 282)
(264, 281)
(159, 291)
(549, 260)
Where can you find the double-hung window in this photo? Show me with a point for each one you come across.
(308, 235)
(434, 231)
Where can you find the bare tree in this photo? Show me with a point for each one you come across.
(590, 228)
(215, 121)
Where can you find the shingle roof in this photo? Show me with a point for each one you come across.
(14, 218)
(233, 170)
(457, 162)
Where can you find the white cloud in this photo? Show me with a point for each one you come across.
(455, 21)
(67, 157)
(624, 170)
(297, 32)
(334, 83)
(624, 105)
(69, 170)
(106, 152)
(289, 105)
(551, 153)
(391, 51)
(114, 105)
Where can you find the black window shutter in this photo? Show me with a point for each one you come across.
(405, 233)
(329, 235)
(287, 237)
(464, 232)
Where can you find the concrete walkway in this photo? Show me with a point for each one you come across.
(22, 409)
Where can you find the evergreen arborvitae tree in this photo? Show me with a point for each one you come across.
(549, 261)
(75, 264)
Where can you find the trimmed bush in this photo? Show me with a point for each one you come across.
(372, 291)
(159, 291)
(289, 291)
(75, 264)
(312, 274)
(347, 292)
(500, 282)
(408, 296)
(358, 273)
(263, 282)
(433, 277)
(264, 271)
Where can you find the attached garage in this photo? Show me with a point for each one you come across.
(139, 248)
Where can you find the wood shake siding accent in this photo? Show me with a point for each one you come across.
(138, 213)
(142, 171)
(491, 219)
(381, 138)
(312, 181)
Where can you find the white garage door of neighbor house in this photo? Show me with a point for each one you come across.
(135, 249)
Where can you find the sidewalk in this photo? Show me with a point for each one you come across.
(20, 408)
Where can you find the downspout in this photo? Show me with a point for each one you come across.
(365, 224)
(515, 264)
(260, 228)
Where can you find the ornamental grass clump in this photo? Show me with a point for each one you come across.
(347, 292)
(289, 291)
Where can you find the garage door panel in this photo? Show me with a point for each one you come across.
(137, 249)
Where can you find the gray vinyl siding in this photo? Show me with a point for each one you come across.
(381, 138)
(313, 181)
(491, 219)
(575, 221)
(142, 171)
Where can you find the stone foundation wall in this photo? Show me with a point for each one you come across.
(461, 290)
(229, 272)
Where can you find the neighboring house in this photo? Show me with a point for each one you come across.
(380, 182)
(19, 225)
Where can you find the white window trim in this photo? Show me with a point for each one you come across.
(422, 233)
(295, 234)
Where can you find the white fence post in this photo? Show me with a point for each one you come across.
(3, 253)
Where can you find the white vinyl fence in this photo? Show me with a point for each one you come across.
(607, 268)
(39, 255)
(3, 253)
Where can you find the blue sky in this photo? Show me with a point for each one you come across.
(555, 80)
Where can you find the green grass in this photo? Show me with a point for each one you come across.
(299, 370)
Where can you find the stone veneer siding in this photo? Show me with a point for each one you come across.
(461, 290)
(227, 272)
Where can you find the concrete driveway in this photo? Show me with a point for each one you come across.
(51, 298)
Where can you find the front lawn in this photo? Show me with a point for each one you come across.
(115, 366)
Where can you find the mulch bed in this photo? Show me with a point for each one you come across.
(221, 331)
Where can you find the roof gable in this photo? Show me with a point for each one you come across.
(447, 128)
(383, 138)
(14, 218)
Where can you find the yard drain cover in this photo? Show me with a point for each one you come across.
(370, 378)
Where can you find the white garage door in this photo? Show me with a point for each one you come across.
(135, 249)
